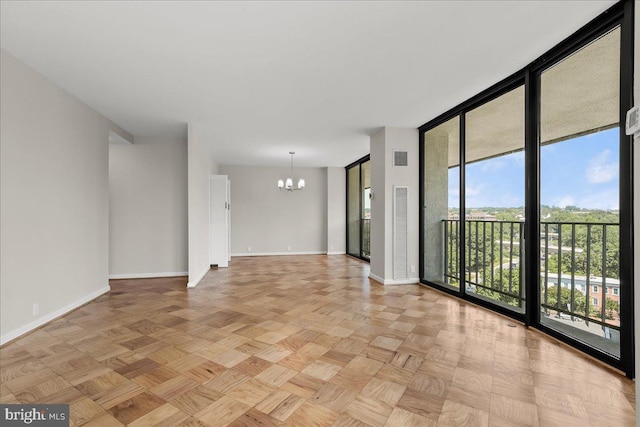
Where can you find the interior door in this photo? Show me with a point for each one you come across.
(219, 220)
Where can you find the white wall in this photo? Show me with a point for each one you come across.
(403, 140)
(336, 206)
(378, 232)
(53, 200)
(268, 220)
(148, 208)
(201, 164)
(384, 176)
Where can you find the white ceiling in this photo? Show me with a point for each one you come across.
(266, 78)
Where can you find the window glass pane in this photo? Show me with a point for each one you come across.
(353, 210)
(579, 195)
(494, 200)
(442, 204)
(366, 209)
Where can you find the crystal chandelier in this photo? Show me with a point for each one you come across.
(288, 184)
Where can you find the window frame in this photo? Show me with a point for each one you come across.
(358, 163)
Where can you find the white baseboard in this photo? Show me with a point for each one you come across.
(9, 336)
(376, 278)
(409, 281)
(278, 253)
(194, 283)
(148, 275)
(337, 253)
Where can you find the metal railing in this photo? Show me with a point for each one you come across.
(583, 255)
(493, 258)
(366, 237)
(579, 271)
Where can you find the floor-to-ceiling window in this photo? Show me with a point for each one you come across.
(580, 194)
(359, 208)
(494, 200)
(441, 215)
(526, 193)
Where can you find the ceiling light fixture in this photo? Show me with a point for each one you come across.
(288, 184)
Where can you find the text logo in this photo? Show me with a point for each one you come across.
(34, 415)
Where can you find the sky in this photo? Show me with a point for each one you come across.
(579, 172)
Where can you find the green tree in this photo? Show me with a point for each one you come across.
(509, 289)
(565, 303)
(612, 307)
(584, 240)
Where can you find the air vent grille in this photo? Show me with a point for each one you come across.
(400, 232)
(400, 158)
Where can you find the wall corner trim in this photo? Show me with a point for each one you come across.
(194, 283)
(16, 333)
(409, 281)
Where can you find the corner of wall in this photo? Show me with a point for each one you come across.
(378, 202)
(335, 208)
(200, 165)
(53, 144)
(384, 176)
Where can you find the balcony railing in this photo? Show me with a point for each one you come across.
(584, 256)
(366, 238)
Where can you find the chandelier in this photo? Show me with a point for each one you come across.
(288, 184)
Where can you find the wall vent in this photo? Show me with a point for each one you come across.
(400, 158)
(400, 232)
(633, 121)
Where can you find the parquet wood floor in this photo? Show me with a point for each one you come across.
(304, 341)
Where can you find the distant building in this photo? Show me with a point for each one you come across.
(479, 216)
(597, 292)
(473, 216)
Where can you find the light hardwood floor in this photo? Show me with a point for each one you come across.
(304, 341)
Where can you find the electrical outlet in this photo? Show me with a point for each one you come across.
(248, 248)
(331, 247)
(288, 248)
(413, 268)
(36, 309)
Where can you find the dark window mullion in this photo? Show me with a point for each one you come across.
(532, 198)
(626, 194)
(463, 228)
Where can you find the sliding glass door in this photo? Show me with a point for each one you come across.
(359, 209)
(477, 228)
(353, 211)
(365, 212)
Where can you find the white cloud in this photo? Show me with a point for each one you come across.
(607, 199)
(565, 201)
(602, 168)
